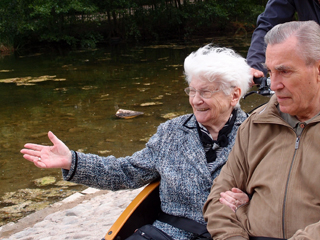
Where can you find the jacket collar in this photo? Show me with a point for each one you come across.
(191, 122)
(269, 113)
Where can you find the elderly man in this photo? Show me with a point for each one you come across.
(276, 157)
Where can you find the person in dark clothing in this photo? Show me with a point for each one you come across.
(276, 12)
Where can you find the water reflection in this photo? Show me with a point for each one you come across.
(81, 110)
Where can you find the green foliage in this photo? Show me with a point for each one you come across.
(244, 10)
(85, 22)
(11, 20)
(55, 21)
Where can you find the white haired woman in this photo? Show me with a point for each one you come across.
(186, 153)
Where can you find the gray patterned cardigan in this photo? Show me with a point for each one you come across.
(176, 154)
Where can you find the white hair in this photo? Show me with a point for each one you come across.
(220, 65)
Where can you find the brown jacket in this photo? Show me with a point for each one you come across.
(280, 171)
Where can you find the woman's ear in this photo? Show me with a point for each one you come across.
(235, 96)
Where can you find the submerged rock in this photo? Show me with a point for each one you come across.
(20, 81)
(65, 184)
(150, 104)
(123, 113)
(26, 206)
(15, 205)
(171, 115)
(40, 182)
(104, 151)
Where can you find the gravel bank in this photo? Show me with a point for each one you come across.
(86, 215)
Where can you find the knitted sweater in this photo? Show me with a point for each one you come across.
(175, 153)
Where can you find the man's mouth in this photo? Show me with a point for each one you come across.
(282, 97)
(282, 100)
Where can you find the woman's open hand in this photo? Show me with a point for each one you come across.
(56, 156)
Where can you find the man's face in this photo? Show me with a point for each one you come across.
(296, 85)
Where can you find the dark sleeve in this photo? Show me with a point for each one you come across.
(276, 11)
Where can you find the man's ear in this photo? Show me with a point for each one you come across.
(235, 96)
(318, 69)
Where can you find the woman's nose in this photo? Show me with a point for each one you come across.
(197, 99)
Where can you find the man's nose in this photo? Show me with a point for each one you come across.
(276, 82)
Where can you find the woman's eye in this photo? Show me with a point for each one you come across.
(206, 93)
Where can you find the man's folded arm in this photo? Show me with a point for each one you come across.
(222, 221)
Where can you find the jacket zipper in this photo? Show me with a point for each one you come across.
(297, 143)
(286, 189)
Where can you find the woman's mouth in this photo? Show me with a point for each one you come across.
(202, 109)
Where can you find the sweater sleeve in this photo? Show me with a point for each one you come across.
(117, 173)
(276, 11)
(222, 221)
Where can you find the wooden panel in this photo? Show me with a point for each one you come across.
(142, 210)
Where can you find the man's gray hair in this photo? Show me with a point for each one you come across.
(307, 34)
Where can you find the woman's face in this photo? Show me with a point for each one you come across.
(215, 110)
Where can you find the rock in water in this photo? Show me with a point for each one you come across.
(40, 182)
(122, 113)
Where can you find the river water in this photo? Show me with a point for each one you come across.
(76, 94)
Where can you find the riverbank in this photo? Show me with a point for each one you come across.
(84, 215)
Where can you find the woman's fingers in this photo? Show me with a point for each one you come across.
(28, 157)
(35, 147)
(234, 198)
(56, 156)
(241, 196)
(227, 203)
(34, 153)
(229, 198)
(53, 138)
(40, 164)
(226, 196)
(236, 190)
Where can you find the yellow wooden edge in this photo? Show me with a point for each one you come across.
(115, 228)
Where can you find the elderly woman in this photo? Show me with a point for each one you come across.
(186, 153)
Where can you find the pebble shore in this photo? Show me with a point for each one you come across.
(86, 215)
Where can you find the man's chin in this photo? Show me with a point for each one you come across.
(284, 109)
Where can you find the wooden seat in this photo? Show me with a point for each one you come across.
(144, 209)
